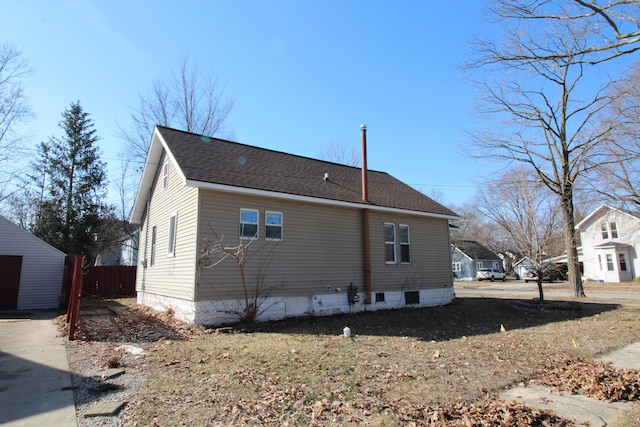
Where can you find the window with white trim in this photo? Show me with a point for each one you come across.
(249, 223)
(456, 266)
(390, 243)
(496, 265)
(273, 225)
(605, 230)
(405, 244)
(171, 241)
(479, 265)
(623, 262)
(165, 175)
(614, 230)
(610, 262)
(600, 261)
(153, 245)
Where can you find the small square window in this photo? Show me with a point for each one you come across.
(412, 297)
(379, 296)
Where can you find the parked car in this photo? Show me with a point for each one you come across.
(490, 274)
(550, 273)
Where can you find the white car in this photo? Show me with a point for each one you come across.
(490, 274)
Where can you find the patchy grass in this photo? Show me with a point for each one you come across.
(401, 366)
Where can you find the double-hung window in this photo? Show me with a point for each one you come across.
(614, 230)
(390, 243)
(623, 262)
(605, 230)
(153, 245)
(273, 225)
(171, 242)
(405, 244)
(609, 262)
(248, 224)
(456, 266)
(165, 175)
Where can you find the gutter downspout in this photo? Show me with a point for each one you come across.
(366, 235)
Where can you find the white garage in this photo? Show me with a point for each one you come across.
(31, 271)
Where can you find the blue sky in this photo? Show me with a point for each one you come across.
(303, 74)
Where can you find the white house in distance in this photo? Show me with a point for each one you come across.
(610, 244)
(31, 270)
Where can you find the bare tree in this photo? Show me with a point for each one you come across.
(214, 252)
(537, 86)
(14, 111)
(527, 213)
(185, 100)
(618, 179)
(611, 27)
(340, 153)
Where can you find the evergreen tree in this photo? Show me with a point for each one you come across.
(70, 210)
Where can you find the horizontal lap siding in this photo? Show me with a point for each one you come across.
(321, 246)
(170, 276)
(430, 258)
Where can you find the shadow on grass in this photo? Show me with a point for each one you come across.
(463, 317)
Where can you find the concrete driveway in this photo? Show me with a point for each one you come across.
(35, 384)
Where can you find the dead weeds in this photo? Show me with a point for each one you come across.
(434, 366)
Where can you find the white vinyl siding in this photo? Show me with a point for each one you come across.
(173, 276)
(42, 267)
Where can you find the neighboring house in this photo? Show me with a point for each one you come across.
(311, 235)
(31, 269)
(610, 244)
(125, 253)
(524, 264)
(469, 256)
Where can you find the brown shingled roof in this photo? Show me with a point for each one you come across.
(215, 161)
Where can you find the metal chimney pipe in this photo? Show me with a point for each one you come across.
(365, 180)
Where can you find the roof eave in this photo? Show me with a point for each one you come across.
(309, 199)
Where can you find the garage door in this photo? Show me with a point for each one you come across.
(10, 267)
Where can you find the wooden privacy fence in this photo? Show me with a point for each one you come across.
(110, 281)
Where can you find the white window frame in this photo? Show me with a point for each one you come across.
(496, 266)
(407, 243)
(392, 243)
(611, 266)
(165, 175)
(267, 225)
(613, 228)
(154, 237)
(456, 266)
(171, 240)
(256, 223)
(600, 261)
(479, 265)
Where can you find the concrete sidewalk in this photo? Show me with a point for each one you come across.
(34, 372)
(576, 407)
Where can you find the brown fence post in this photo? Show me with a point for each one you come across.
(74, 299)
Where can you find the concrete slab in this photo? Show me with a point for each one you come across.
(626, 358)
(578, 408)
(35, 384)
(104, 409)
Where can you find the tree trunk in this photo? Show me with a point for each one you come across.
(571, 242)
(540, 293)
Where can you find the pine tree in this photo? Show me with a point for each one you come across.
(73, 184)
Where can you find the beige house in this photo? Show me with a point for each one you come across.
(318, 240)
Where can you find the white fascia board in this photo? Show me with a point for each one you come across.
(152, 163)
(307, 199)
(591, 215)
